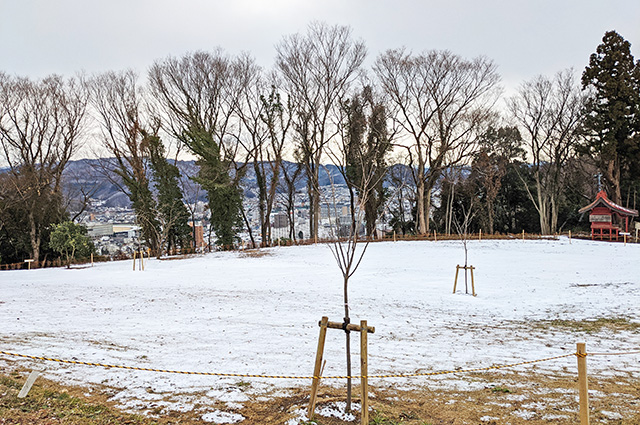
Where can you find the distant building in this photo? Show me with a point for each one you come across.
(280, 220)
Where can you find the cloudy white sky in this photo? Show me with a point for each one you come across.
(524, 37)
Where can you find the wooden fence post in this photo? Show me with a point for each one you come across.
(583, 384)
(364, 372)
(317, 368)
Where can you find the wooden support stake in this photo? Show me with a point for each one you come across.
(141, 260)
(480, 235)
(473, 286)
(583, 384)
(522, 234)
(28, 384)
(350, 327)
(394, 235)
(435, 236)
(364, 372)
(569, 237)
(455, 282)
(317, 368)
(134, 260)
(92, 259)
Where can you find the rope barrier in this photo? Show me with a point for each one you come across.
(239, 375)
(615, 354)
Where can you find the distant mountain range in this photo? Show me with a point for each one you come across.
(95, 176)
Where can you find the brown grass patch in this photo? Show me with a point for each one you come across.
(255, 253)
(495, 398)
(591, 326)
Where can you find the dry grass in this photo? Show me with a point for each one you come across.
(254, 253)
(496, 398)
(590, 326)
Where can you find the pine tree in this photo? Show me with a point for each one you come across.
(613, 124)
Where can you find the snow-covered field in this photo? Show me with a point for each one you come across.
(228, 312)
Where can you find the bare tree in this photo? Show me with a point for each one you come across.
(118, 103)
(267, 119)
(549, 113)
(318, 69)
(442, 103)
(462, 228)
(41, 125)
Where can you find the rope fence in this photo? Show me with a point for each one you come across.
(241, 375)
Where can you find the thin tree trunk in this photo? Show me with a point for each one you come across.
(347, 320)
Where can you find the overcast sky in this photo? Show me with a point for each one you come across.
(525, 38)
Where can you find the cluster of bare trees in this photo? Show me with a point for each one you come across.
(431, 111)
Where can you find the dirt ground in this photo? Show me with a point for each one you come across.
(493, 399)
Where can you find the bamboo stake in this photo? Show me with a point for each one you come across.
(522, 234)
(316, 370)
(480, 235)
(364, 371)
(435, 236)
(569, 237)
(141, 260)
(394, 235)
(583, 384)
(92, 259)
(134, 260)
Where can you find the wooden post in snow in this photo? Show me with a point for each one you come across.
(583, 384)
(364, 372)
(134, 260)
(318, 365)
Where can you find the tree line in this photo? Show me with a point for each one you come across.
(421, 138)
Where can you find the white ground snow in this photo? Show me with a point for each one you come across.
(225, 312)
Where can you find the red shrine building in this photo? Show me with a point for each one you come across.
(607, 218)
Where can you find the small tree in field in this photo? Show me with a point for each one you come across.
(70, 239)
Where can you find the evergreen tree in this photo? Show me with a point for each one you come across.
(71, 240)
(172, 213)
(366, 148)
(612, 127)
(225, 198)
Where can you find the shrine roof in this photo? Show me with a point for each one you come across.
(603, 200)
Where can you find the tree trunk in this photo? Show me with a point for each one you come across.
(34, 237)
(422, 224)
(347, 320)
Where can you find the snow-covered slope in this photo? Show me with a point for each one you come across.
(227, 312)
